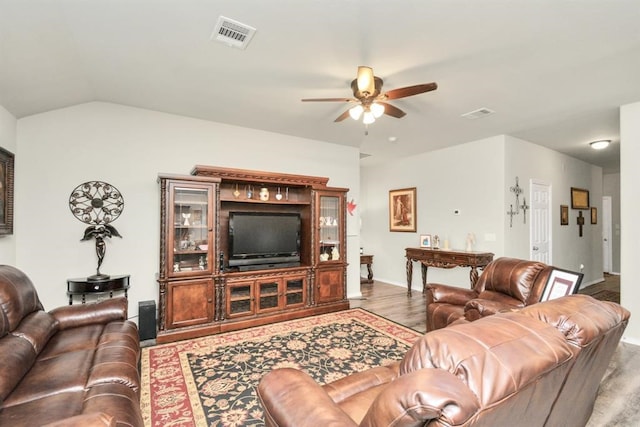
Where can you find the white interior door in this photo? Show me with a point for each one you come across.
(540, 228)
(607, 250)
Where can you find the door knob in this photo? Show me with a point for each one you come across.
(535, 248)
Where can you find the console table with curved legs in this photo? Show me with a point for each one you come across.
(442, 258)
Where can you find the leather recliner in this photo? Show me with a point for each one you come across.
(538, 366)
(505, 284)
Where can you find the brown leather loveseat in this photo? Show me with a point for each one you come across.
(539, 366)
(73, 366)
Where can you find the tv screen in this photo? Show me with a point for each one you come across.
(263, 238)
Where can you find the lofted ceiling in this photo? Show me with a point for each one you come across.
(554, 71)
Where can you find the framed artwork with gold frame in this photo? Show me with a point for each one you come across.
(402, 210)
(579, 198)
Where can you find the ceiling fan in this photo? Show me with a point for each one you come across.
(369, 99)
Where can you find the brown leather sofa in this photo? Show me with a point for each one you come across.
(539, 366)
(505, 284)
(74, 366)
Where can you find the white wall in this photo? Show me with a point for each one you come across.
(561, 172)
(467, 177)
(476, 178)
(128, 147)
(8, 142)
(630, 206)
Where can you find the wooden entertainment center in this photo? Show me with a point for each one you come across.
(199, 294)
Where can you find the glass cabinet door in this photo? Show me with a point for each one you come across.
(330, 218)
(190, 246)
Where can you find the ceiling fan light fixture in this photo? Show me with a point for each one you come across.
(356, 112)
(368, 118)
(366, 81)
(377, 109)
(601, 144)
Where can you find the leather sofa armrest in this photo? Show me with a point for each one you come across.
(450, 294)
(479, 307)
(291, 398)
(350, 385)
(417, 397)
(72, 316)
(94, 419)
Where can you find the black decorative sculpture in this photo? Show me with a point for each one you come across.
(97, 203)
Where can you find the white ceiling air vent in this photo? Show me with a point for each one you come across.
(232, 33)
(479, 113)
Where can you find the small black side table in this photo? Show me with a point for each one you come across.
(83, 286)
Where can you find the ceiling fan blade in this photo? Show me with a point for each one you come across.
(329, 100)
(342, 116)
(393, 111)
(403, 92)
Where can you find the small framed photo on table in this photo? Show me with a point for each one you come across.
(425, 240)
(561, 283)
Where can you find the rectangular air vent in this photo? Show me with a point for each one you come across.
(232, 33)
(479, 113)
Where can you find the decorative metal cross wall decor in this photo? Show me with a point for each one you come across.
(511, 213)
(524, 208)
(517, 190)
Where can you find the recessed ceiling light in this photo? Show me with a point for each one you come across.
(601, 144)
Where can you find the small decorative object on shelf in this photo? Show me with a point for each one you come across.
(435, 242)
(471, 240)
(186, 217)
(335, 254)
(278, 194)
(264, 194)
(324, 256)
(97, 203)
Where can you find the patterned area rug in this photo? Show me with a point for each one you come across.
(211, 381)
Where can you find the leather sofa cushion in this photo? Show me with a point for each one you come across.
(65, 373)
(116, 358)
(17, 357)
(46, 410)
(495, 358)
(37, 328)
(84, 338)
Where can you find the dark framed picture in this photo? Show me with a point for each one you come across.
(594, 215)
(6, 191)
(564, 215)
(425, 240)
(579, 198)
(561, 283)
(402, 210)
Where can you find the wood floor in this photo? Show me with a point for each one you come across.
(392, 302)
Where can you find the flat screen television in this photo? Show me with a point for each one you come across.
(263, 240)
